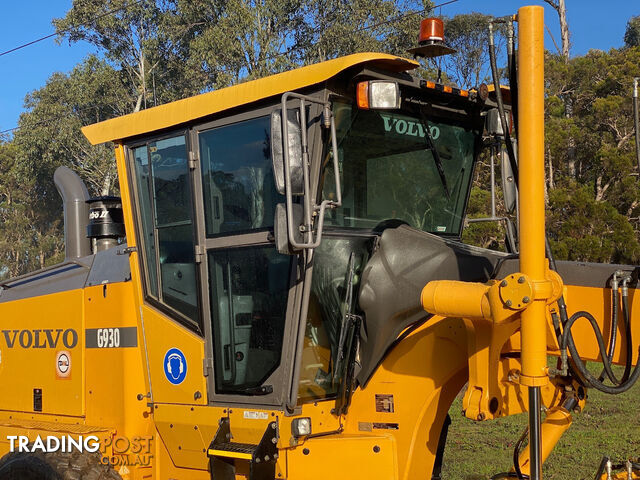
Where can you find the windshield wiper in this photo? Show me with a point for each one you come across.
(259, 390)
(434, 151)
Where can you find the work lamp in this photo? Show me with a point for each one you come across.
(378, 95)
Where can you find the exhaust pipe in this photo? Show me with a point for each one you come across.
(76, 212)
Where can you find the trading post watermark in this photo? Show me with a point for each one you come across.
(115, 450)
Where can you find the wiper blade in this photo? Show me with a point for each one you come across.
(346, 317)
(434, 151)
(260, 390)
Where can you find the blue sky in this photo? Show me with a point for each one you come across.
(28, 69)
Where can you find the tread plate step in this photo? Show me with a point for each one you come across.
(231, 449)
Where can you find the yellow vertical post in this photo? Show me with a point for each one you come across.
(532, 221)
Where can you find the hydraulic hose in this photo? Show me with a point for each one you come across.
(566, 341)
(516, 455)
(503, 117)
(628, 333)
(614, 324)
(566, 335)
(516, 461)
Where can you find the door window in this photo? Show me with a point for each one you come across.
(237, 177)
(249, 290)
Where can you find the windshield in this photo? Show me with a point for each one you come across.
(389, 170)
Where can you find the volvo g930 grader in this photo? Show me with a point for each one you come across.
(281, 291)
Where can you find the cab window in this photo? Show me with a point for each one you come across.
(166, 221)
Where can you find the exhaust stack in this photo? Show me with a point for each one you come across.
(76, 212)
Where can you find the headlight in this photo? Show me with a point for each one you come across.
(378, 95)
(301, 427)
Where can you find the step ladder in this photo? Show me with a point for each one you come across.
(223, 454)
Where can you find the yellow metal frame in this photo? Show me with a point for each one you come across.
(194, 108)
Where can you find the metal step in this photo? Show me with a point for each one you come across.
(233, 450)
(224, 454)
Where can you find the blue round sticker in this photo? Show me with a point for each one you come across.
(175, 366)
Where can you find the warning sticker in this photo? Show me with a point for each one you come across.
(63, 364)
(253, 415)
(385, 426)
(384, 403)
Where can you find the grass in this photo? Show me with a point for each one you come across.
(609, 425)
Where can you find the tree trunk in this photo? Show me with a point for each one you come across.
(106, 185)
(560, 7)
(551, 181)
(564, 29)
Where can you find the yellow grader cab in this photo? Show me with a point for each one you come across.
(281, 291)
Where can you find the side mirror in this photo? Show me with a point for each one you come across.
(290, 154)
(509, 189)
(293, 146)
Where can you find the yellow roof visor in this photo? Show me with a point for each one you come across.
(200, 106)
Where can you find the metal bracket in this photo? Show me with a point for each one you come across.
(127, 251)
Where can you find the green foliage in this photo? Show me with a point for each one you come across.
(593, 193)
(247, 39)
(632, 33)
(483, 234)
(584, 229)
(468, 34)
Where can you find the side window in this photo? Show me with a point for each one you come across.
(162, 180)
(143, 175)
(318, 375)
(239, 190)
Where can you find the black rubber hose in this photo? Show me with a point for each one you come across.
(614, 327)
(593, 381)
(567, 337)
(627, 321)
(516, 456)
(503, 117)
(589, 379)
(603, 465)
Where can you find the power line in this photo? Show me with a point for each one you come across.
(46, 37)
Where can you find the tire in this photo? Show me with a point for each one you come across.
(55, 466)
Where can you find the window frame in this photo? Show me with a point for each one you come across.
(286, 375)
(157, 302)
(282, 378)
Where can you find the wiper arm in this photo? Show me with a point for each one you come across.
(259, 390)
(434, 151)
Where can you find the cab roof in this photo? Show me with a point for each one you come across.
(199, 106)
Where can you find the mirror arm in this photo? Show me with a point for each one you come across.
(309, 208)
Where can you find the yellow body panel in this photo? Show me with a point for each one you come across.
(29, 350)
(193, 108)
(345, 457)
